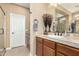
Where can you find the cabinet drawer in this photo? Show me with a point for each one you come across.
(48, 51)
(49, 43)
(67, 50)
(38, 39)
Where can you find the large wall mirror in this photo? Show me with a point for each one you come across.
(62, 20)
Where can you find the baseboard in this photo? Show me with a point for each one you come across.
(8, 48)
(32, 54)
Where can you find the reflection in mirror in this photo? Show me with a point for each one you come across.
(61, 24)
(75, 20)
(61, 19)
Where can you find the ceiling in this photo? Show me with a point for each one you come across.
(26, 5)
(72, 7)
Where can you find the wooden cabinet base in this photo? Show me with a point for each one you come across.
(45, 47)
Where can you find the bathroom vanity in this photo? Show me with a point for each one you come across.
(51, 45)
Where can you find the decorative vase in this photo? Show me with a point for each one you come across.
(45, 25)
(49, 24)
(47, 18)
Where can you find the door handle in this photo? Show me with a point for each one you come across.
(12, 32)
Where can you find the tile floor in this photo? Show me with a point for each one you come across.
(19, 51)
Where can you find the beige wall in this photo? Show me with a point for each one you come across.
(37, 11)
(12, 8)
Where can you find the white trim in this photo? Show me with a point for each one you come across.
(31, 54)
(8, 48)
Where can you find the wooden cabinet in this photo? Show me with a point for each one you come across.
(48, 51)
(67, 50)
(59, 54)
(39, 47)
(45, 47)
(49, 48)
(49, 43)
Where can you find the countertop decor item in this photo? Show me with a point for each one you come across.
(47, 18)
(49, 21)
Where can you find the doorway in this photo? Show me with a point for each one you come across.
(17, 30)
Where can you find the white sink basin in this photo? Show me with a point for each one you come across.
(55, 37)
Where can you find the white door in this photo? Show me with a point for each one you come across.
(17, 30)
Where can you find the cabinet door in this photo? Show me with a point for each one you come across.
(39, 49)
(60, 54)
(67, 50)
(49, 43)
(48, 51)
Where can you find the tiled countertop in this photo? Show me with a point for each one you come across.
(68, 40)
